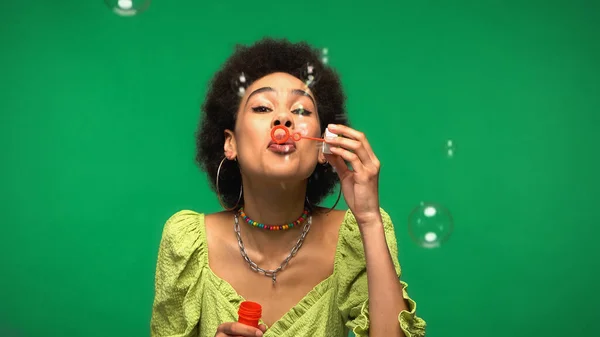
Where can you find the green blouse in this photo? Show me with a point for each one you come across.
(190, 300)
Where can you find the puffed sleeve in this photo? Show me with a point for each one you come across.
(177, 292)
(353, 300)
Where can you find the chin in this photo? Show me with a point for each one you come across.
(281, 168)
(282, 173)
(285, 173)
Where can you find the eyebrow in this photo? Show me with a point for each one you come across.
(296, 92)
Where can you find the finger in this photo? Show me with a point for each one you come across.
(262, 327)
(352, 145)
(351, 157)
(239, 329)
(354, 134)
(338, 164)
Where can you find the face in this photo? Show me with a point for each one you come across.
(281, 100)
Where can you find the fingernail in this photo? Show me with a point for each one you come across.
(259, 333)
(331, 126)
(329, 134)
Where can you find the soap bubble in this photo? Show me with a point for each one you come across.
(325, 55)
(310, 75)
(450, 148)
(239, 84)
(430, 225)
(127, 7)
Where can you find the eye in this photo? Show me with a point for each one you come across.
(302, 111)
(261, 109)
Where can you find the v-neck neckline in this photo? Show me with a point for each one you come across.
(316, 289)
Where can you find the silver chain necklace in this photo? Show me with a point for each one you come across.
(273, 272)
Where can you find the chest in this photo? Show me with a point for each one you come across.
(291, 288)
(310, 267)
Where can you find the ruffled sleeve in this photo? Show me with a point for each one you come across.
(353, 300)
(177, 297)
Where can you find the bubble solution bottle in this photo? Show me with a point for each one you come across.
(249, 313)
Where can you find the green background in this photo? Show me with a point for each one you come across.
(97, 115)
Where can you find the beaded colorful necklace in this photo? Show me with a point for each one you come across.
(289, 225)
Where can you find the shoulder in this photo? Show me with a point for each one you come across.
(217, 224)
(181, 221)
(331, 218)
(182, 232)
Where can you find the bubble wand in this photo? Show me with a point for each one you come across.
(296, 136)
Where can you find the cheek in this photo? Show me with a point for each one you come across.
(252, 133)
(303, 129)
(307, 128)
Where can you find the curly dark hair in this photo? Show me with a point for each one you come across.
(222, 101)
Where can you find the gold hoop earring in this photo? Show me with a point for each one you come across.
(219, 193)
(332, 208)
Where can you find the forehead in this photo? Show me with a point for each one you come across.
(279, 81)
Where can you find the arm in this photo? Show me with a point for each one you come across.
(387, 311)
(176, 306)
(368, 300)
(386, 300)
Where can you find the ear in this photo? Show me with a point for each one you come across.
(229, 147)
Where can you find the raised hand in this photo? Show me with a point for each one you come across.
(360, 184)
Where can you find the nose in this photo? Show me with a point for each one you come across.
(282, 119)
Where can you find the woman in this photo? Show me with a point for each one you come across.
(315, 271)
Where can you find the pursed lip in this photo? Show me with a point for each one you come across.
(290, 141)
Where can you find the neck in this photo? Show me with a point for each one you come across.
(271, 204)
(275, 203)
